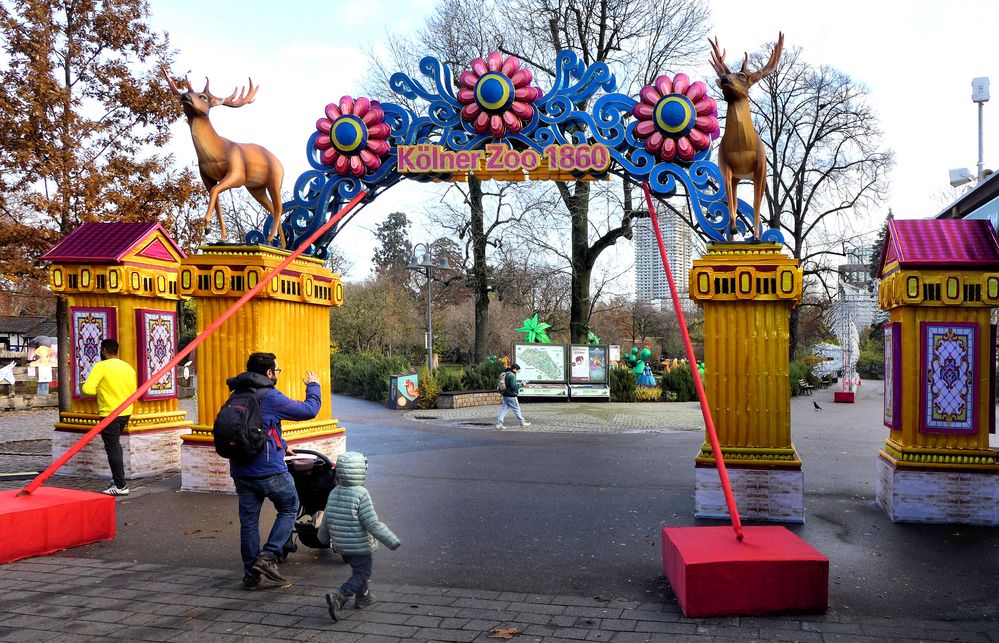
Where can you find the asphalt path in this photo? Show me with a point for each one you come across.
(582, 513)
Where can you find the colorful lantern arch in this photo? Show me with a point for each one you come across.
(497, 116)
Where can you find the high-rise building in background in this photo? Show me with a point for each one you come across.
(650, 278)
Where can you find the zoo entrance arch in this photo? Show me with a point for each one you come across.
(499, 124)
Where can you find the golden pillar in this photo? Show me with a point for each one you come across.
(290, 318)
(939, 284)
(746, 291)
(120, 282)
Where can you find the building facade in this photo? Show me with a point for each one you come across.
(651, 285)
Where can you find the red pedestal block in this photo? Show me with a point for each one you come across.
(770, 570)
(843, 396)
(51, 519)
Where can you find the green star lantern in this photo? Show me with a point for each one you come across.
(592, 338)
(535, 331)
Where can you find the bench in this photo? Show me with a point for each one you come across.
(805, 387)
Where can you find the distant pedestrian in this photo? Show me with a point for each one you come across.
(112, 380)
(509, 388)
(266, 476)
(351, 526)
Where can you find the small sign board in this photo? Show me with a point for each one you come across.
(588, 364)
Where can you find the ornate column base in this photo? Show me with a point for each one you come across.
(203, 470)
(761, 493)
(937, 495)
(150, 445)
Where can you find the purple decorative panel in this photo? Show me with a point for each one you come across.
(88, 327)
(893, 376)
(157, 330)
(949, 376)
(992, 378)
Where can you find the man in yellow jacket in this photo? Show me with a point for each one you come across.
(112, 381)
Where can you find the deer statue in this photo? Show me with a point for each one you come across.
(741, 155)
(224, 164)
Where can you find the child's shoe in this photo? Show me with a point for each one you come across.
(364, 600)
(335, 603)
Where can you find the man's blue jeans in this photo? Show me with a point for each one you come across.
(360, 566)
(280, 490)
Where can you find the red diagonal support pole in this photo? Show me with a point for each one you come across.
(267, 277)
(733, 511)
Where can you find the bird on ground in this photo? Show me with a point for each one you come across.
(816, 405)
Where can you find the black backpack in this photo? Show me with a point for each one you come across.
(239, 428)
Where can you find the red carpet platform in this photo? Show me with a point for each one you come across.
(51, 519)
(771, 570)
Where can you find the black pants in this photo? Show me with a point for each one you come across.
(112, 445)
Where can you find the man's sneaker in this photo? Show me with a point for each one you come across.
(114, 490)
(267, 565)
(251, 583)
(499, 426)
(525, 424)
(335, 603)
(364, 600)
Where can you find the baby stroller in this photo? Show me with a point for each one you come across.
(315, 478)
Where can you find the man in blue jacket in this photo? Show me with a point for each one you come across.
(266, 476)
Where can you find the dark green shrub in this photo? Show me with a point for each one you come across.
(680, 382)
(450, 379)
(871, 364)
(366, 375)
(622, 385)
(484, 375)
(799, 371)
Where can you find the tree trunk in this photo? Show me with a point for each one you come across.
(480, 286)
(582, 266)
(65, 373)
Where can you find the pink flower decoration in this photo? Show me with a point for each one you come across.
(676, 118)
(353, 138)
(497, 95)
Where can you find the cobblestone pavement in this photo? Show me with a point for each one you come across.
(59, 598)
(585, 417)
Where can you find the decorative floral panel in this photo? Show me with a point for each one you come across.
(157, 332)
(88, 328)
(893, 376)
(949, 376)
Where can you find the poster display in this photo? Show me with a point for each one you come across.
(615, 353)
(540, 362)
(588, 364)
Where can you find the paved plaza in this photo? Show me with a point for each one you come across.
(169, 576)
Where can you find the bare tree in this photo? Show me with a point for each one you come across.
(640, 40)
(827, 162)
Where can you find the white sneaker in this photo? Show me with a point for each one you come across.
(116, 491)
(525, 424)
(499, 426)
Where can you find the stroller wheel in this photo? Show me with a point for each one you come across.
(290, 547)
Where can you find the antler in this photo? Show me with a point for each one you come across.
(173, 86)
(771, 65)
(718, 58)
(232, 100)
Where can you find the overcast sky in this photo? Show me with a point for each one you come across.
(916, 58)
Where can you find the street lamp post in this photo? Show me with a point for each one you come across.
(426, 264)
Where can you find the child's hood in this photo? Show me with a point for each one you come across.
(351, 469)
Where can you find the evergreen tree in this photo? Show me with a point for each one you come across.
(394, 250)
(875, 260)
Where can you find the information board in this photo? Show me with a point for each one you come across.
(587, 364)
(540, 362)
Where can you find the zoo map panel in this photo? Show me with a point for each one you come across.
(540, 362)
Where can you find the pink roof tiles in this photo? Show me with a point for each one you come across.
(940, 243)
(111, 242)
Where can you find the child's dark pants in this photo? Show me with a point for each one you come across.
(360, 565)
